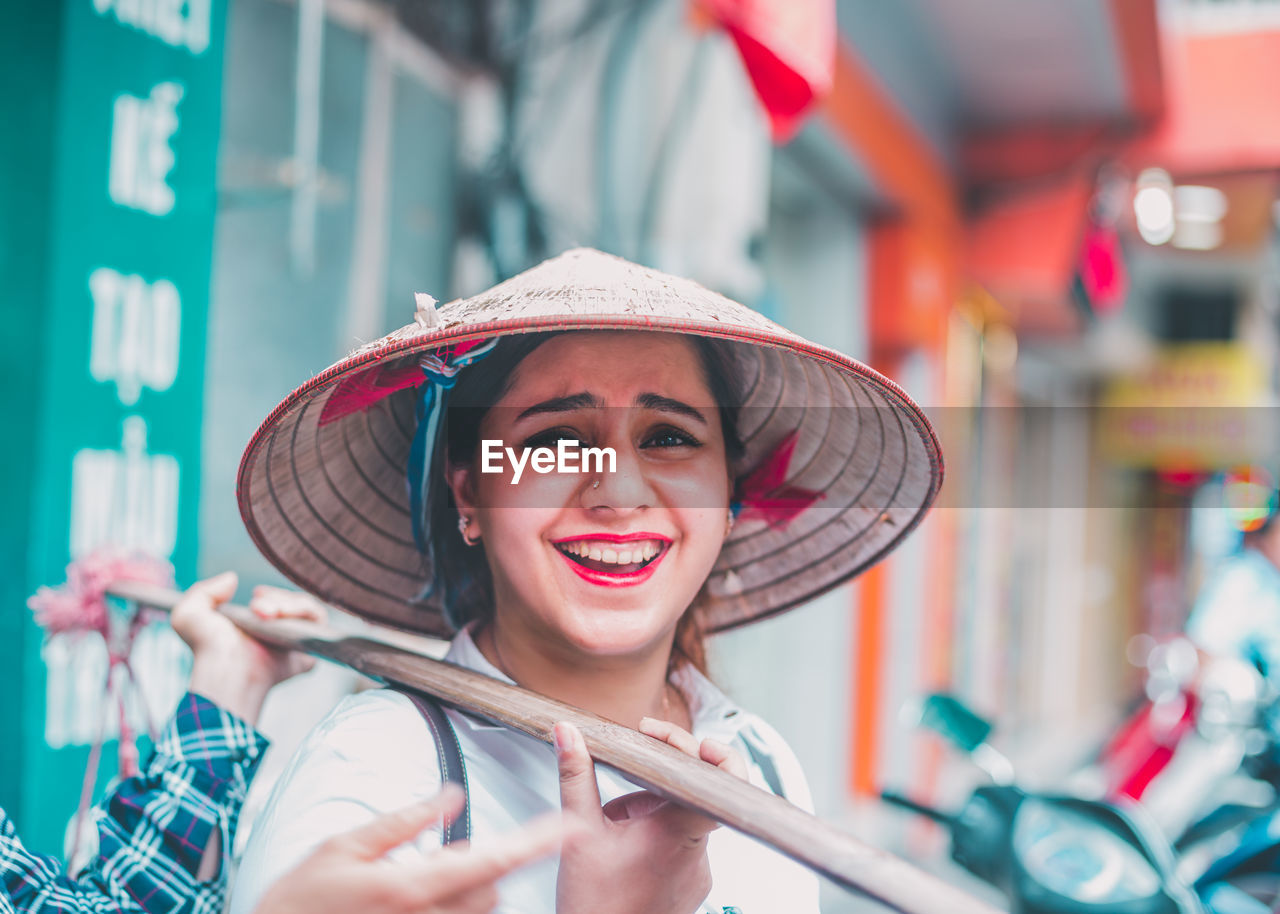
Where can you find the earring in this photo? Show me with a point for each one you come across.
(596, 484)
(464, 524)
(728, 524)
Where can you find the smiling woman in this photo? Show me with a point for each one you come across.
(753, 471)
(631, 392)
(671, 490)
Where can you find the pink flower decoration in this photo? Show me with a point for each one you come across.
(80, 605)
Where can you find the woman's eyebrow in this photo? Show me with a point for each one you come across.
(562, 405)
(668, 405)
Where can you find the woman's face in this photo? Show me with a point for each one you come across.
(607, 568)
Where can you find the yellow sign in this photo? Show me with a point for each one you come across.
(1201, 406)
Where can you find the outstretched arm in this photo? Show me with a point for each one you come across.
(162, 833)
(154, 827)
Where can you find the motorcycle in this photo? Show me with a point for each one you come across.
(1062, 854)
(1203, 738)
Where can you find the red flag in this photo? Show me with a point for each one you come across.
(1102, 269)
(789, 50)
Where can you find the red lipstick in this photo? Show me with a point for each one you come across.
(609, 578)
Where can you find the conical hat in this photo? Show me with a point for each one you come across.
(845, 463)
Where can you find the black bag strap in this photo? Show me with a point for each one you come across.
(449, 751)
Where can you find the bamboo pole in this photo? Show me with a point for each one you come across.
(651, 764)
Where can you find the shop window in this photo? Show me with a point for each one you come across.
(382, 228)
(1197, 315)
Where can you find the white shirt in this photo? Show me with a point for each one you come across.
(374, 754)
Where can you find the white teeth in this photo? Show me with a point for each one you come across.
(600, 552)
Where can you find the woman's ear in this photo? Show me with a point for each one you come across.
(462, 485)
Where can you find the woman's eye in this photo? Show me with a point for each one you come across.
(671, 437)
(551, 438)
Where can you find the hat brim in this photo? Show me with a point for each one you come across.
(325, 499)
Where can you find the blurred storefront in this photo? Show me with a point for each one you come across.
(1132, 258)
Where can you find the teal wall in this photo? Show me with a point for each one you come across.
(107, 204)
(29, 65)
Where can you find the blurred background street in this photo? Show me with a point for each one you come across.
(1054, 223)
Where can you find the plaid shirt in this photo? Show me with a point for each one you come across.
(154, 828)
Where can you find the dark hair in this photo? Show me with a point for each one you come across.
(462, 571)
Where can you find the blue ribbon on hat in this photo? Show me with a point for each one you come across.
(441, 373)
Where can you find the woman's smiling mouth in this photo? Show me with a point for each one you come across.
(611, 560)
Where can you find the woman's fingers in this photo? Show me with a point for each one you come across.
(459, 870)
(632, 806)
(194, 617)
(278, 603)
(219, 588)
(203, 596)
(693, 826)
(579, 793)
(683, 823)
(389, 831)
(671, 734)
(724, 756)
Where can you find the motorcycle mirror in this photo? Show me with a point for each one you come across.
(947, 716)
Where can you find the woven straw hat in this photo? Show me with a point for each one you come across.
(845, 463)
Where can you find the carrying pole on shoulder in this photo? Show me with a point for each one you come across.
(652, 764)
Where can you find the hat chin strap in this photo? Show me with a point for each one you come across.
(441, 372)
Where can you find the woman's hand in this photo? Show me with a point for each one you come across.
(722, 755)
(639, 853)
(350, 872)
(229, 667)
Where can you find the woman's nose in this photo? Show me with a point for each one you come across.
(624, 487)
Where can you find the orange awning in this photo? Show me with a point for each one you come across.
(1222, 105)
(1024, 249)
